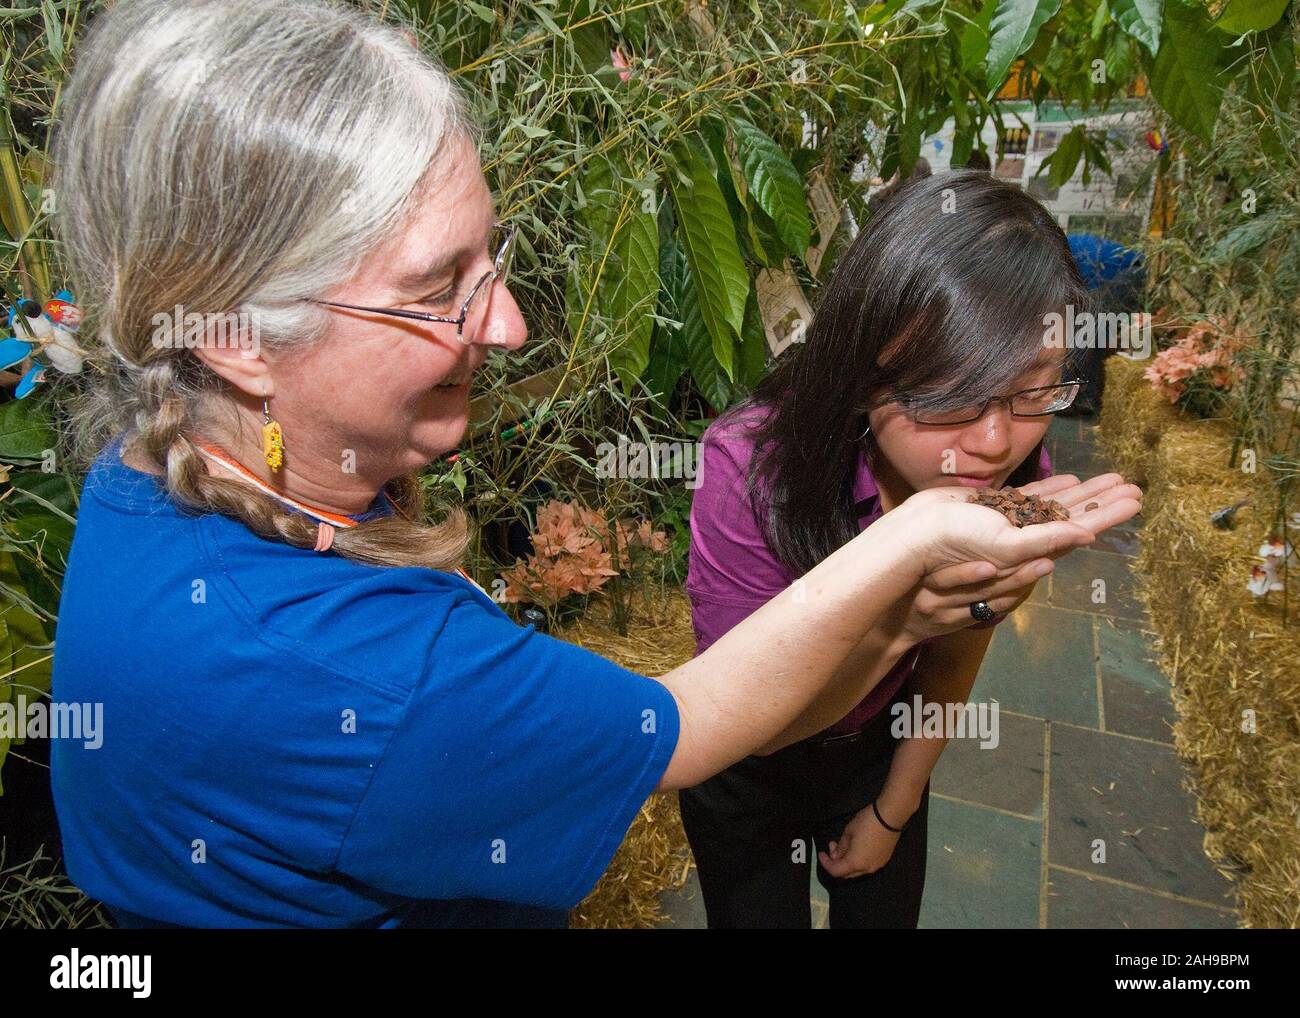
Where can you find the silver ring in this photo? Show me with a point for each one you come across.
(981, 611)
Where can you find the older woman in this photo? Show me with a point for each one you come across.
(313, 717)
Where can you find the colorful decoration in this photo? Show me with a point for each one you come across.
(45, 330)
(35, 375)
(1157, 141)
(1264, 578)
(13, 351)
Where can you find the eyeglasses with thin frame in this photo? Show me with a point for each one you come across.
(474, 304)
(1041, 401)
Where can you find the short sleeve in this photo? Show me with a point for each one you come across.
(731, 570)
(517, 765)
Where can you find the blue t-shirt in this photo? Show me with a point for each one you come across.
(291, 738)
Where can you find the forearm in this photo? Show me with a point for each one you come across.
(945, 674)
(752, 684)
(869, 662)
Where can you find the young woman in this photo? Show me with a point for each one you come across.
(926, 366)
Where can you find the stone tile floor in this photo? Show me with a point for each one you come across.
(1085, 754)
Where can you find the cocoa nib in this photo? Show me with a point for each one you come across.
(1020, 508)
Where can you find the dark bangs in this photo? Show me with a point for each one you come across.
(967, 322)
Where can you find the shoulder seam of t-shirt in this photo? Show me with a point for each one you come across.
(398, 694)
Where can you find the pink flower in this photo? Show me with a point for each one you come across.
(616, 55)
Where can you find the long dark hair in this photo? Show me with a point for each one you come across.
(940, 298)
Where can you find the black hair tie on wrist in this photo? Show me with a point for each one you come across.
(876, 810)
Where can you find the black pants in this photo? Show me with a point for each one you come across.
(756, 827)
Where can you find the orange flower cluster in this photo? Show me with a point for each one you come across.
(1203, 347)
(572, 555)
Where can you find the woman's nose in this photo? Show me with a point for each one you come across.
(504, 324)
(990, 436)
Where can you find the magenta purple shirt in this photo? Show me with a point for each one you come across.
(732, 572)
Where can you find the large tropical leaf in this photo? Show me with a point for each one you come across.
(708, 238)
(25, 432)
(1240, 16)
(774, 184)
(752, 357)
(1140, 19)
(1188, 76)
(681, 302)
(1013, 29)
(624, 257)
(974, 44)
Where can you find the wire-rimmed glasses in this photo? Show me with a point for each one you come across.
(474, 308)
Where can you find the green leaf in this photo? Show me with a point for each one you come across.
(591, 46)
(775, 185)
(487, 15)
(1239, 16)
(708, 237)
(1187, 76)
(1064, 160)
(21, 636)
(25, 432)
(683, 304)
(1243, 239)
(1014, 27)
(974, 43)
(53, 31)
(1140, 19)
(753, 342)
(764, 245)
(631, 299)
(625, 255)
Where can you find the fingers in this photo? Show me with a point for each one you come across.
(1042, 540)
(1025, 576)
(1089, 490)
(1109, 514)
(840, 868)
(1049, 486)
(961, 575)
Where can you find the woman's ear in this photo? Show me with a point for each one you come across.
(237, 358)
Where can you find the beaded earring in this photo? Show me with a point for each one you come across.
(272, 439)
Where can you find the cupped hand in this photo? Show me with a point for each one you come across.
(972, 553)
(959, 541)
